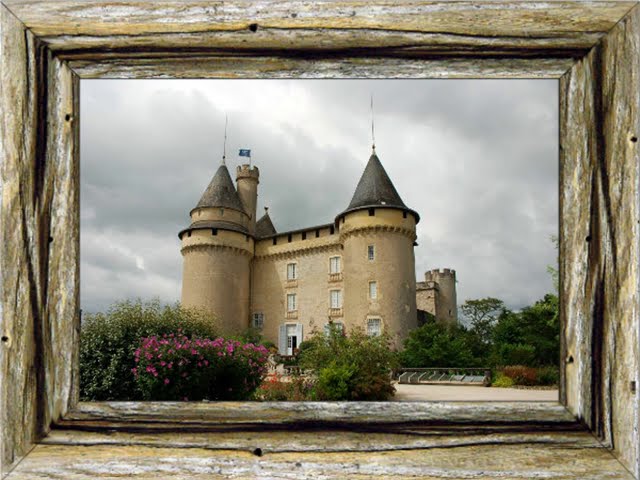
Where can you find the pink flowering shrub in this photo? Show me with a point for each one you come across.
(176, 367)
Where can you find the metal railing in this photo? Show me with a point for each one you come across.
(449, 375)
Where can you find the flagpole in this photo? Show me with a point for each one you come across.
(224, 148)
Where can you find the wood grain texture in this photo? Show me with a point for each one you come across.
(229, 413)
(327, 454)
(42, 41)
(344, 67)
(39, 238)
(600, 237)
(411, 29)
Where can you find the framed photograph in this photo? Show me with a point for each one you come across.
(591, 48)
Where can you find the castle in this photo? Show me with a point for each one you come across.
(356, 271)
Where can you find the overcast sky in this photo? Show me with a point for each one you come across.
(477, 159)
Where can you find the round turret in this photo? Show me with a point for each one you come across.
(247, 179)
(217, 248)
(378, 232)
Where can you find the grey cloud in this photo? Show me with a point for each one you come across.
(477, 160)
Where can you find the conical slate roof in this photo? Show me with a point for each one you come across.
(375, 190)
(264, 226)
(221, 192)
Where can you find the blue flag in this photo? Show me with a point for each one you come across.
(244, 153)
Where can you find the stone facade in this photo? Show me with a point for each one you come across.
(358, 271)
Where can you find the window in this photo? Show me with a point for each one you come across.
(371, 252)
(258, 320)
(292, 272)
(372, 212)
(334, 265)
(374, 327)
(373, 290)
(336, 298)
(291, 302)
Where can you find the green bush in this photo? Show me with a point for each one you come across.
(335, 382)
(548, 375)
(175, 367)
(521, 375)
(516, 354)
(503, 381)
(353, 367)
(108, 342)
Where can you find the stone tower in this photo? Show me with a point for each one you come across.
(437, 295)
(218, 246)
(377, 232)
(247, 179)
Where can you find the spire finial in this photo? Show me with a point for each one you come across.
(266, 210)
(373, 135)
(224, 148)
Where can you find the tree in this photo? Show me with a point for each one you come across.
(530, 337)
(438, 345)
(483, 314)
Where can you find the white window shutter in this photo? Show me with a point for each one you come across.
(282, 340)
(299, 333)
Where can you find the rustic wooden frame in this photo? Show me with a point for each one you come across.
(591, 47)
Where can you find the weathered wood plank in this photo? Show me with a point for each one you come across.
(346, 67)
(531, 19)
(39, 277)
(600, 237)
(61, 320)
(291, 436)
(415, 29)
(333, 412)
(332, 455)
(21, 237)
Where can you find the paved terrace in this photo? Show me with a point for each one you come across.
(471, 393)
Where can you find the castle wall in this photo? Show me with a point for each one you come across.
(426, 293)
(393, 268)
(270, 285)
(216, 273)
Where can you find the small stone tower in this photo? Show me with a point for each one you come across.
(378, 231)
(218, 247)
(437, 295)
(247, 179)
